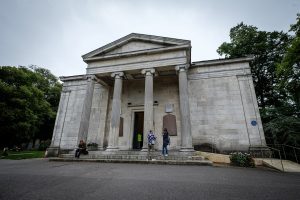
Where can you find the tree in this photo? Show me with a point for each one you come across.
(267, 48)
(25, 106)
(289, 68)
(276, 89)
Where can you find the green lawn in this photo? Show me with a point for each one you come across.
(13, 155)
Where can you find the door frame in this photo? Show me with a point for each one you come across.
(133, 111)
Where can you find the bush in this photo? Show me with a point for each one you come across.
(241, 159)
(4, 152)
(92, 146)
(44, 145)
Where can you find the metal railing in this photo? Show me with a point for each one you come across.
(266, 152)
(270, 151)
(289, 152)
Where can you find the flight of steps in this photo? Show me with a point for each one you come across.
(174, 157)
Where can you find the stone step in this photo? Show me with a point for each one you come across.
(134, 157)
(130, 152)
(153, 161)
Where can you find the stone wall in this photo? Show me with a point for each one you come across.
(69, 114)
(223, 109)
(223, 106)
(72, 120)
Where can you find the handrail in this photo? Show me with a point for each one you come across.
(289, 146)
(273, 149)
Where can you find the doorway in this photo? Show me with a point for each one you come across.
(137, 142)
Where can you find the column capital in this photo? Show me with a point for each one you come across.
(148, 71)
(117, 74)
(181, 68)
(90, 77)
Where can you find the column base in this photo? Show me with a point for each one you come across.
(144, 149)
(52, 152)
(112, 149)
(100, 149)
(186, 149)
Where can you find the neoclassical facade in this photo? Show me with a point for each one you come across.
(144, 82)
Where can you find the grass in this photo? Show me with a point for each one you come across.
(13, 155)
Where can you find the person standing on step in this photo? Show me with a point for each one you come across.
(166, 142)
(151, 142)
(81, 149)
(139, 140)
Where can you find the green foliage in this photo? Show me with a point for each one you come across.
(284, 130)
(44, 145)
(5, 152)
(28, 104)
(241, 159)
(289, 67)
(92, 144)
(12, 155)
(276, 76)
(267, 48)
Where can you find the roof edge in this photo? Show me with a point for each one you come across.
(138, 36)
(135, 53)
(222, 61)
(73, 78)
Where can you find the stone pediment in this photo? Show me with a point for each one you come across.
(135, 43)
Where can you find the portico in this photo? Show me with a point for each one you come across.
(154, 75)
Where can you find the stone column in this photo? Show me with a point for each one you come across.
(115, 113)
(148, 105)
(86, 112)
(186, 136)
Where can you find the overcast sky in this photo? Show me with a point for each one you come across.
(55, 33)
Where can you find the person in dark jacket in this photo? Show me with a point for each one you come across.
(166, 142)
(81, 149)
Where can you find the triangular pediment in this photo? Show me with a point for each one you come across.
(136, 45)
(135, 42)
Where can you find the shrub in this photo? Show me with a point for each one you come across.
(44, 145)
(241, 159)
(92, 146)
(4, 152)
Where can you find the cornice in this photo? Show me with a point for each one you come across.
(133, 37)
(221, 61)
(136, 53)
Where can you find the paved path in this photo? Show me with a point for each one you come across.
(40, 179)
(287, 165)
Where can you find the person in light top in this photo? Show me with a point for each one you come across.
(151, 142)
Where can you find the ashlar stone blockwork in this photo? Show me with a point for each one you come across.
(206, 102)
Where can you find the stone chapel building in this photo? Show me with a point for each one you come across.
(144, 82)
